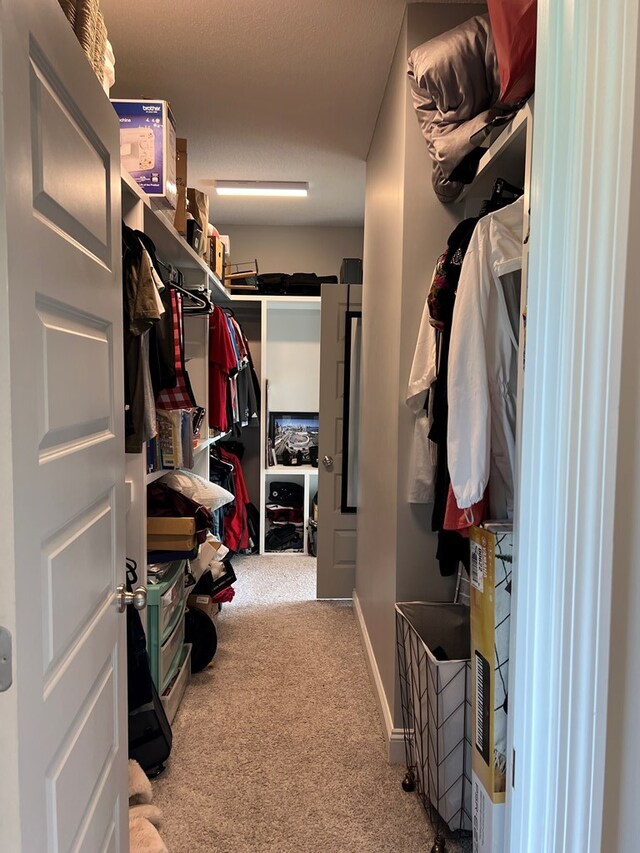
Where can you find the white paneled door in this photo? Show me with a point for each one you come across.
(336, 528)
(63, 725)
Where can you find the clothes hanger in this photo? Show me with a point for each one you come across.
(215, 457)
(503, 194)
(198, 300)
(502, 189)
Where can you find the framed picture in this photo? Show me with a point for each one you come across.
(294, 437)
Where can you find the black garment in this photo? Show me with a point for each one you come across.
(161, 346)
(138, 672)
(237, 448)
(140, 313)
(453, 548)
(161, 349)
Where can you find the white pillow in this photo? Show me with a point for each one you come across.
(197, 488)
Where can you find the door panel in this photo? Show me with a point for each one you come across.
(65, 560)
(336, 530)
(64, 551)
(77, 773)
(74, 413)
(72, 194)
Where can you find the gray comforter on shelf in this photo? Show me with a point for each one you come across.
(455, 88)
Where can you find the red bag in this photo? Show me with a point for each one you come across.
(514, 24)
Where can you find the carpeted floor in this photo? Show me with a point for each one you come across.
(278, 745)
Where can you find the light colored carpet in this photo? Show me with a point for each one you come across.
(278, 745)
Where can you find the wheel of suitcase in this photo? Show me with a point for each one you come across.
(201, 633)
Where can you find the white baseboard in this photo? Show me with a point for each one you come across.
(393, 736)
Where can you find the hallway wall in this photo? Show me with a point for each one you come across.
(294, 249)
(406, 229)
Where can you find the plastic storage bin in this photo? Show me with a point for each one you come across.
(433, 644)
(174, 691)
(166, 605)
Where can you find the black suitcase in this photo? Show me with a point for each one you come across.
(273, 283)
(298, 284)
(150, 736)
(351, 271)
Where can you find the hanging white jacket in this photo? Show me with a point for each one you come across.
(483, 364)
(423, 372)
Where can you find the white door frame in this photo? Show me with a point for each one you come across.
(580, 200)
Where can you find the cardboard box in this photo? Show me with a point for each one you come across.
(204, 603)
(226, 239)
(148, 147)
(180, 219)
(171, 534)
(217, 256)
(199, 209)
(491, 576)
(194, 236)
(181, 163)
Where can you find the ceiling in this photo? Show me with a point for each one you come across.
(283, 90)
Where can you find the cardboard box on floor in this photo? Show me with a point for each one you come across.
(204, 603)
(491, 575)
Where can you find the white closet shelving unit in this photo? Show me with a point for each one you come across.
(138, 214)
(509, 157)
(284, 333)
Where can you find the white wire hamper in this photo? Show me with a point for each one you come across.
(436, 711)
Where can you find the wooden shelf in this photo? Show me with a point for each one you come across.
(505, 157)
(131, 188)
(173, 249)
(207, 442)
(171, 246)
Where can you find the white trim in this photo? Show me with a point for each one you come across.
(393, 736)
(396, 754)
(580, 193)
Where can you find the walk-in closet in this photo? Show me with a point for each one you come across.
(318, 447)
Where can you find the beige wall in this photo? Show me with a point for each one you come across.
(381, 302)
(298, 249)
(406, 228)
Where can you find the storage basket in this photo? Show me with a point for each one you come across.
(433, 644)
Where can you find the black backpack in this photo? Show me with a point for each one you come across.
(286, 494)
(150, 736)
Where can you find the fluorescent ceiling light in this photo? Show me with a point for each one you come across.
(263, 188)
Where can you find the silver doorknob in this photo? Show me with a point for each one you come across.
(138, 598)
(327, 461)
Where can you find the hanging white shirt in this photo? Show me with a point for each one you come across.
(483, 364)
(423, 372)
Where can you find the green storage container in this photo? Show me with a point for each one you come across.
(166, 605)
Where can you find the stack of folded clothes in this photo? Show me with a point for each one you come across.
(286, 516)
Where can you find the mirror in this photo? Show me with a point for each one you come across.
(351, 410)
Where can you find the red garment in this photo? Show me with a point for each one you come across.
(180, 397)
(225, 595)
(222, 365)
(236, 527)
(461, 520)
